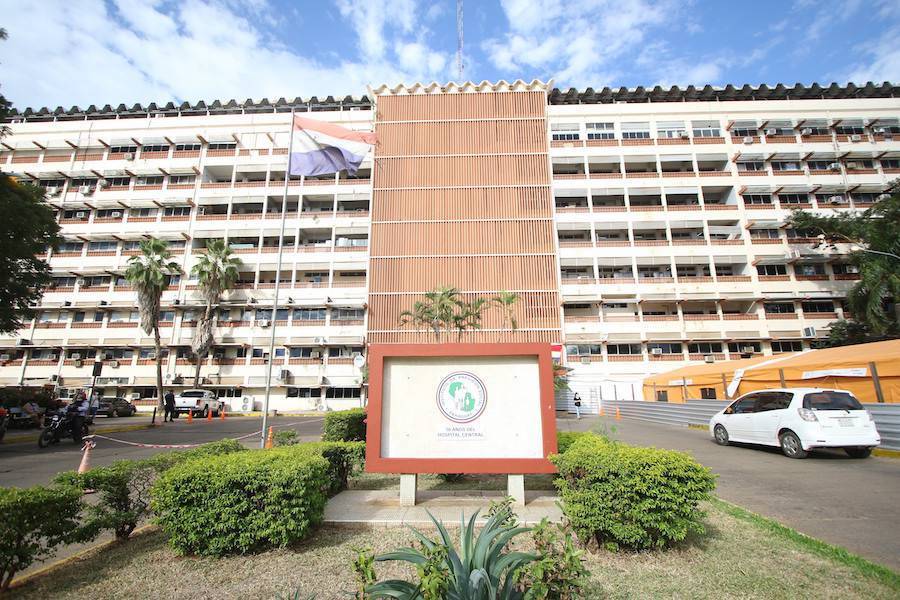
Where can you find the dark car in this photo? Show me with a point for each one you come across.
(116, 407)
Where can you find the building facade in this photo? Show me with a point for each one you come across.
(642, 229)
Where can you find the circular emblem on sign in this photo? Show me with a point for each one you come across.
(461, 396)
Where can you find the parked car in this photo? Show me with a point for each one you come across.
(198, 402)
(116, 407)
(798, 420)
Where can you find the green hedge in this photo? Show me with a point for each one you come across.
(629, 496)
(243, 501)
(345, 426)
(564, 439)
(344, 459)
(167, 460)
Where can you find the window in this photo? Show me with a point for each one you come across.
(781, 308)
(293, 392)
(187, 147)
(818, 307)
(150, 180)
(229, 393)
(850, 129)
(565, 131)
(793, 198)
(831, 400)
(304, 352)
(71, 246)
(309, 314)
(177, 211)
(786, 166)
(757, 199)
(820, 165)
(347, 314)
(61, 282)
(744, 347)
(635, 131)
(76, 214)
(342, 393)
(167, 316)
(662, 396)
(96, 280)
(808, 129)
(117, 353)
(223, 146)
(705, 348)
(103, 246)
(618, 349)
(142, 212)
(844, 269)
(743, 406)
(772, 401)
(671, 129)
(118, 181)
(601, 131)
(344, 351)
(259, 353)
(707, 393)
(706, 129)
(145, 353)
(667, 348)
(788, 346)
(771, 270)
(155, 148)
(751, 165)
(584, 350)
(122, 149)
(810, 269)
(890, 163)
(744, 131)
(764, 234)
(182, 179)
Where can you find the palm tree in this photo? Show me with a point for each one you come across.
(506, 301)
(148, 273)
(438, 311)
(216, 272)
(469, 316)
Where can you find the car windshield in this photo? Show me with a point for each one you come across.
(193, 394)
(831, 401)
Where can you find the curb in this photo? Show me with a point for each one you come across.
(25, 579)
(885, 453)
(31, 439)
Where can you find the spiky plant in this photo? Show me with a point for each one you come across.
(216, 273)
(148, 273)
(480, 569)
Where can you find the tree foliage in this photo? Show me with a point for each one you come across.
(28, 228)
(876, 237)
(444, 310)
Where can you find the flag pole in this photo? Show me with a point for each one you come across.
(287, 178)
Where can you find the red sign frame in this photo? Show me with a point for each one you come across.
(375, 463)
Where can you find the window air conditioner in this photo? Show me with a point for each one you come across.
(79, 363)
(114, 364)
(85, 189)
(151, 355)
(835, 199)
(748, 349)
(284, 374)
(315, 354)
(76, 356)
(585, 360)
(320, 341)
(103, 183)
(656, 351)
(264, 323)
(770, 132)
(80, 281)
(52, 356)
(856, 137)
(129, 156)
(748, 139)
(883, 196)
(834, 167)
(809, 332)
(852, 165)
(806, 131)
(81, 214)
(709, 358)
(116, 214)
(53, 191)
(5, 357)
(684, 135)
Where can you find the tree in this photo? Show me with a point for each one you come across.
(28, 228)
(216, 272)
(469, 316)
(848, 333)
(506, 301)
(444, 310)
(148, 272)
(876, 236)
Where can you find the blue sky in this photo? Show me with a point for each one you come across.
(96, 52)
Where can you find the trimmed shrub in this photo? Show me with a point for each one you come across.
(34, 522)
(242, 501)
(345, 426)
(167, 460)
(622, 495)
(124, 489)
(344, 459)
(564, 439)
(285, 437)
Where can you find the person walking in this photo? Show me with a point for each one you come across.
(169, 401)
(577, 400)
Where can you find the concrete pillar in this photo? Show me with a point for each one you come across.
(408, 489)
(515, 487)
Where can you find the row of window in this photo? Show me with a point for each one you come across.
(90, 354)
(676, 348)
(225, 314)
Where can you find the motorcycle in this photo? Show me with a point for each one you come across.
(59, 425)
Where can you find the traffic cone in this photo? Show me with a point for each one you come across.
(618, 414)
(209, 415)
(601, 411)
(270, 439)
(222, 414)
(190, 416)
(85, 465)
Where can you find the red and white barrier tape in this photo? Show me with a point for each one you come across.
(140, 445)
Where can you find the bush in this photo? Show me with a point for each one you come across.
(345, 426)
(559, 571)
(285, 437)
(622, 495)
(33, 522)
(167, 460)
(242, 501)
(124, 488)
(564, 439)
(344, 459)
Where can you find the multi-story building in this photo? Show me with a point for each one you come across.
(642, 229)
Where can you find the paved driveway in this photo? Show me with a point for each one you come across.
(843, 501)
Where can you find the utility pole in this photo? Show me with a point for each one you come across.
(459, 41)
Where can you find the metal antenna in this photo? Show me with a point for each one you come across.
(459, 40)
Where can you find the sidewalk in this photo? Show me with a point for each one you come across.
(381, 508)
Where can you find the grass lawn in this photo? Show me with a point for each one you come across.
(743, 556)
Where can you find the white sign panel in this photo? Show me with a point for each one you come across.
(853, 372)
(461, 407)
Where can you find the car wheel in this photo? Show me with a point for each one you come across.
(860, 452)
(720, 434)
(114, 412)
(205, 412)
(45, 439)
(791, 446)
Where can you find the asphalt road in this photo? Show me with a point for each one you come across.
(23, 465)
(848, 502)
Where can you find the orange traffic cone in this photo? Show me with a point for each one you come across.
(618, 414)
(601, 410)
(85, 465)
(222, 414)
(270, 439)
(190, 416)
(209, 415)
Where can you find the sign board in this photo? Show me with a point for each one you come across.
(460, 408)
(851, 372)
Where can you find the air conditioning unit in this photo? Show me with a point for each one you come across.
(116, 214)
(748, 349)
(806, 131)
(879, 130)
(834, 167)
(103, 183)
(52, 356)
(151, 355)
(263, 323)
(53, 191)
(315, 354)
(76, 356)
(585, 360)
(852, 165)
(80, 281)
(5, 357)
(81, 214)
(79, 363)
(85, 189)
(129, 156)
(835, 199)
(748, 139)
(684, 135)
(284, 374)
(883, 196)
(856, 137)
(219, 355)
(134, 396)
(809, 332)
(709, 358)
(656, 351)
(770, 132)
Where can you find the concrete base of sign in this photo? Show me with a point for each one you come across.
(408, 490)
(515, 487)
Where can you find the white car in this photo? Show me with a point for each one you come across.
(798, 420)
(198, 402)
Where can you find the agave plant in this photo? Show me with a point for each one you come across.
(480, 569)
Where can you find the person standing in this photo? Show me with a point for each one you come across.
(577, 400)
(78, 410)
(94, 404)
(169, 402)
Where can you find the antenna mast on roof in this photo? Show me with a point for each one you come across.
(459, 40)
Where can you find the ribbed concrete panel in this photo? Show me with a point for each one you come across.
(461, 197)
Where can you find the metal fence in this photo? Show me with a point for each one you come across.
(698, 412)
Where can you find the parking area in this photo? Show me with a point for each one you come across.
(848, 502)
